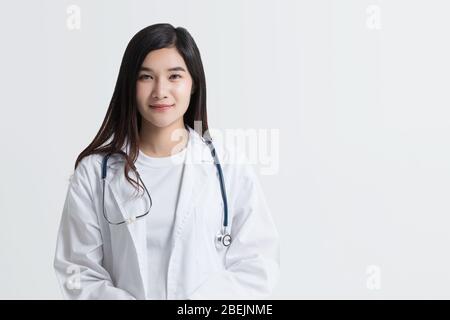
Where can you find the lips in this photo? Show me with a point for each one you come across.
(161, 105)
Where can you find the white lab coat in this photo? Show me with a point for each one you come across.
(96, 260)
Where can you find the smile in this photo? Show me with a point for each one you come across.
(161, 107)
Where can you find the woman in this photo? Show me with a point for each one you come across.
(187, 235)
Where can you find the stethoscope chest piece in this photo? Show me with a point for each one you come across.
(223, 239)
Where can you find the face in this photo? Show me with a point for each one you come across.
(163, 79)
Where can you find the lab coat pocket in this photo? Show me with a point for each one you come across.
(209, 222)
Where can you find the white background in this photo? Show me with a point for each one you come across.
(362, 112)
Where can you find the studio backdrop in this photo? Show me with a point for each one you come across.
(342, 107)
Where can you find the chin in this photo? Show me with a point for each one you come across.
(161, 123)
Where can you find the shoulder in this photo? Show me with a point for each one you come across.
(94, 162)
(90, 162)
(87, 170)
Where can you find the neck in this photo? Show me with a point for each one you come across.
(163, 142)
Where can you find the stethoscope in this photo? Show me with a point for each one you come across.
(223, 236)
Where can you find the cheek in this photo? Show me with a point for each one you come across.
(183, 90)
(142, 92)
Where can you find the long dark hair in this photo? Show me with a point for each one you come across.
(122, 122)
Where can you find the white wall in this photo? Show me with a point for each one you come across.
(357, 89)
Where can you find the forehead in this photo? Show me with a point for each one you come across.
(162, 59)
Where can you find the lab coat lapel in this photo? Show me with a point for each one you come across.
(194, 179)
(126, 234)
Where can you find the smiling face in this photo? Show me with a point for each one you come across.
(163, 79)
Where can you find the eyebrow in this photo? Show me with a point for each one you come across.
(170, 69)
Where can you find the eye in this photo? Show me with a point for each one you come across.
(175, 75)
(144, 77)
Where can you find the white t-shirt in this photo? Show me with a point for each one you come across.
(162, 177)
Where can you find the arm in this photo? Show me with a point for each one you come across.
(79, 248)
(252, 259)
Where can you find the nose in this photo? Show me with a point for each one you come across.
(159, 89)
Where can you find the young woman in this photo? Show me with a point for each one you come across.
(200, 228)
